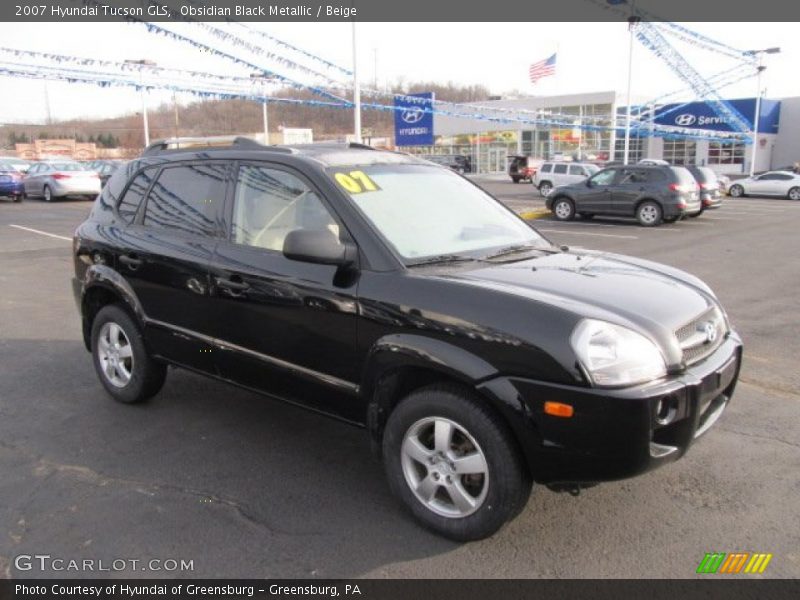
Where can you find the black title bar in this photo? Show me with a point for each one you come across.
(399, 10)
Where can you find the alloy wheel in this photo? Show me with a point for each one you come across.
(115, 354)
(445, 467)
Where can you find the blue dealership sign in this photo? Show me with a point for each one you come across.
(413, 120)
(701, 115)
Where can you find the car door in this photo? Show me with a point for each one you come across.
(576, 174)
(559, 176)
(628, 188)
(761, 184)
(288, 327)
(164, 254)
(32, 180)
(596, 197)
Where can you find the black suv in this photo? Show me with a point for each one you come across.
(651, 194)
(399, 296)
(457, 162)
(709, 188)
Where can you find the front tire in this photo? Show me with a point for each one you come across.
(736, 191)
(120, 358)
(649, 214)
(454, 463)
(794, 193)
(563, 209)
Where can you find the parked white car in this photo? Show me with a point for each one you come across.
(771, 183)
(554, 174)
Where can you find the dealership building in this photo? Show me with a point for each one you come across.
(586, 132)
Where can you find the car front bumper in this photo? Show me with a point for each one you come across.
(615, 433)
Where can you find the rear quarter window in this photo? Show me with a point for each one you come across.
(683, 176)
(130, 202)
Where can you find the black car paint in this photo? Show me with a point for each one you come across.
(344, 341)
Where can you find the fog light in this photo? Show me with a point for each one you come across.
(666, 409)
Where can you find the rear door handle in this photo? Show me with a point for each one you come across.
(234, 286)
(130, 261)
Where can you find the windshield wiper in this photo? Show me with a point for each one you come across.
(514, 249)
(441, 258)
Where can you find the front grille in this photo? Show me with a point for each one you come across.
(701, 336)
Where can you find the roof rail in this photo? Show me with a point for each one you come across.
(221, 142)
(359, 146)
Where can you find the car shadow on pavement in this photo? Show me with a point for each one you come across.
(244, 485)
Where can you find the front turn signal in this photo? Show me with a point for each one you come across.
(558, 409)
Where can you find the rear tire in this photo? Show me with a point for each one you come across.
(545, 188)
(120, 358)
(515, 179)
(454, 463)
(563, 209)
(736, 191)
(649, 214)
(47, 194)
(794, 193)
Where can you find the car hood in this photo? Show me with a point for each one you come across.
(654, 299)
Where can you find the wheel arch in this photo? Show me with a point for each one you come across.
(400, 364)
(102, 286)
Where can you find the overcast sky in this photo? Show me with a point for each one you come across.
(591, 57)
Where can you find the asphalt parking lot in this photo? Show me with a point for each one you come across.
(247, 487)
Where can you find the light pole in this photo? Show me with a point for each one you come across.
(632, 20)
(142, 62)
(264, 79)
(356, 92)
(757, 115)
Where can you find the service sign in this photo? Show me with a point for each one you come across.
(701, 115)
(413, 121)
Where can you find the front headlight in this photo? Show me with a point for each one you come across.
(613, 355)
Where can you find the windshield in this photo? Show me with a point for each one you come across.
(424, 211)
(592, 169)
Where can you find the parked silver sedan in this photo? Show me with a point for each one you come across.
(50, 180)
(771, 183)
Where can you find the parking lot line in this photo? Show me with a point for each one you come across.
(611, 235)
(52, 235)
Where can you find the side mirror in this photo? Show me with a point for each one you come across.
(319, 247)
(589, 183)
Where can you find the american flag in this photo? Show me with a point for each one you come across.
(543, 68)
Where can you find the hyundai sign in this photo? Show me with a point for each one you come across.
(700, 115)
(413, 121)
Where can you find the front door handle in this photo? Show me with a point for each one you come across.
(234, 286)
(130, 261)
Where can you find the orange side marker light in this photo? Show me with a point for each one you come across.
(558, 409)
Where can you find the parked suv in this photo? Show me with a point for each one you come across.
(457, 162)
(652, 194)
(554, 174)
(399, 296)
(709, 188)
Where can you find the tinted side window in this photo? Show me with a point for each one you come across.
(576, 170)
(546, 168)
(129, 205)
(560, 169)
(187, 198)
(269, 203)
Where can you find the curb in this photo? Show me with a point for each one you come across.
(529, 215)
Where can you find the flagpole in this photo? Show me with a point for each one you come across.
(631, 24)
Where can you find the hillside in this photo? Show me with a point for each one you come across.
(225, 117)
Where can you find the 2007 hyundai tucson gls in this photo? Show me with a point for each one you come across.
(397, 295)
